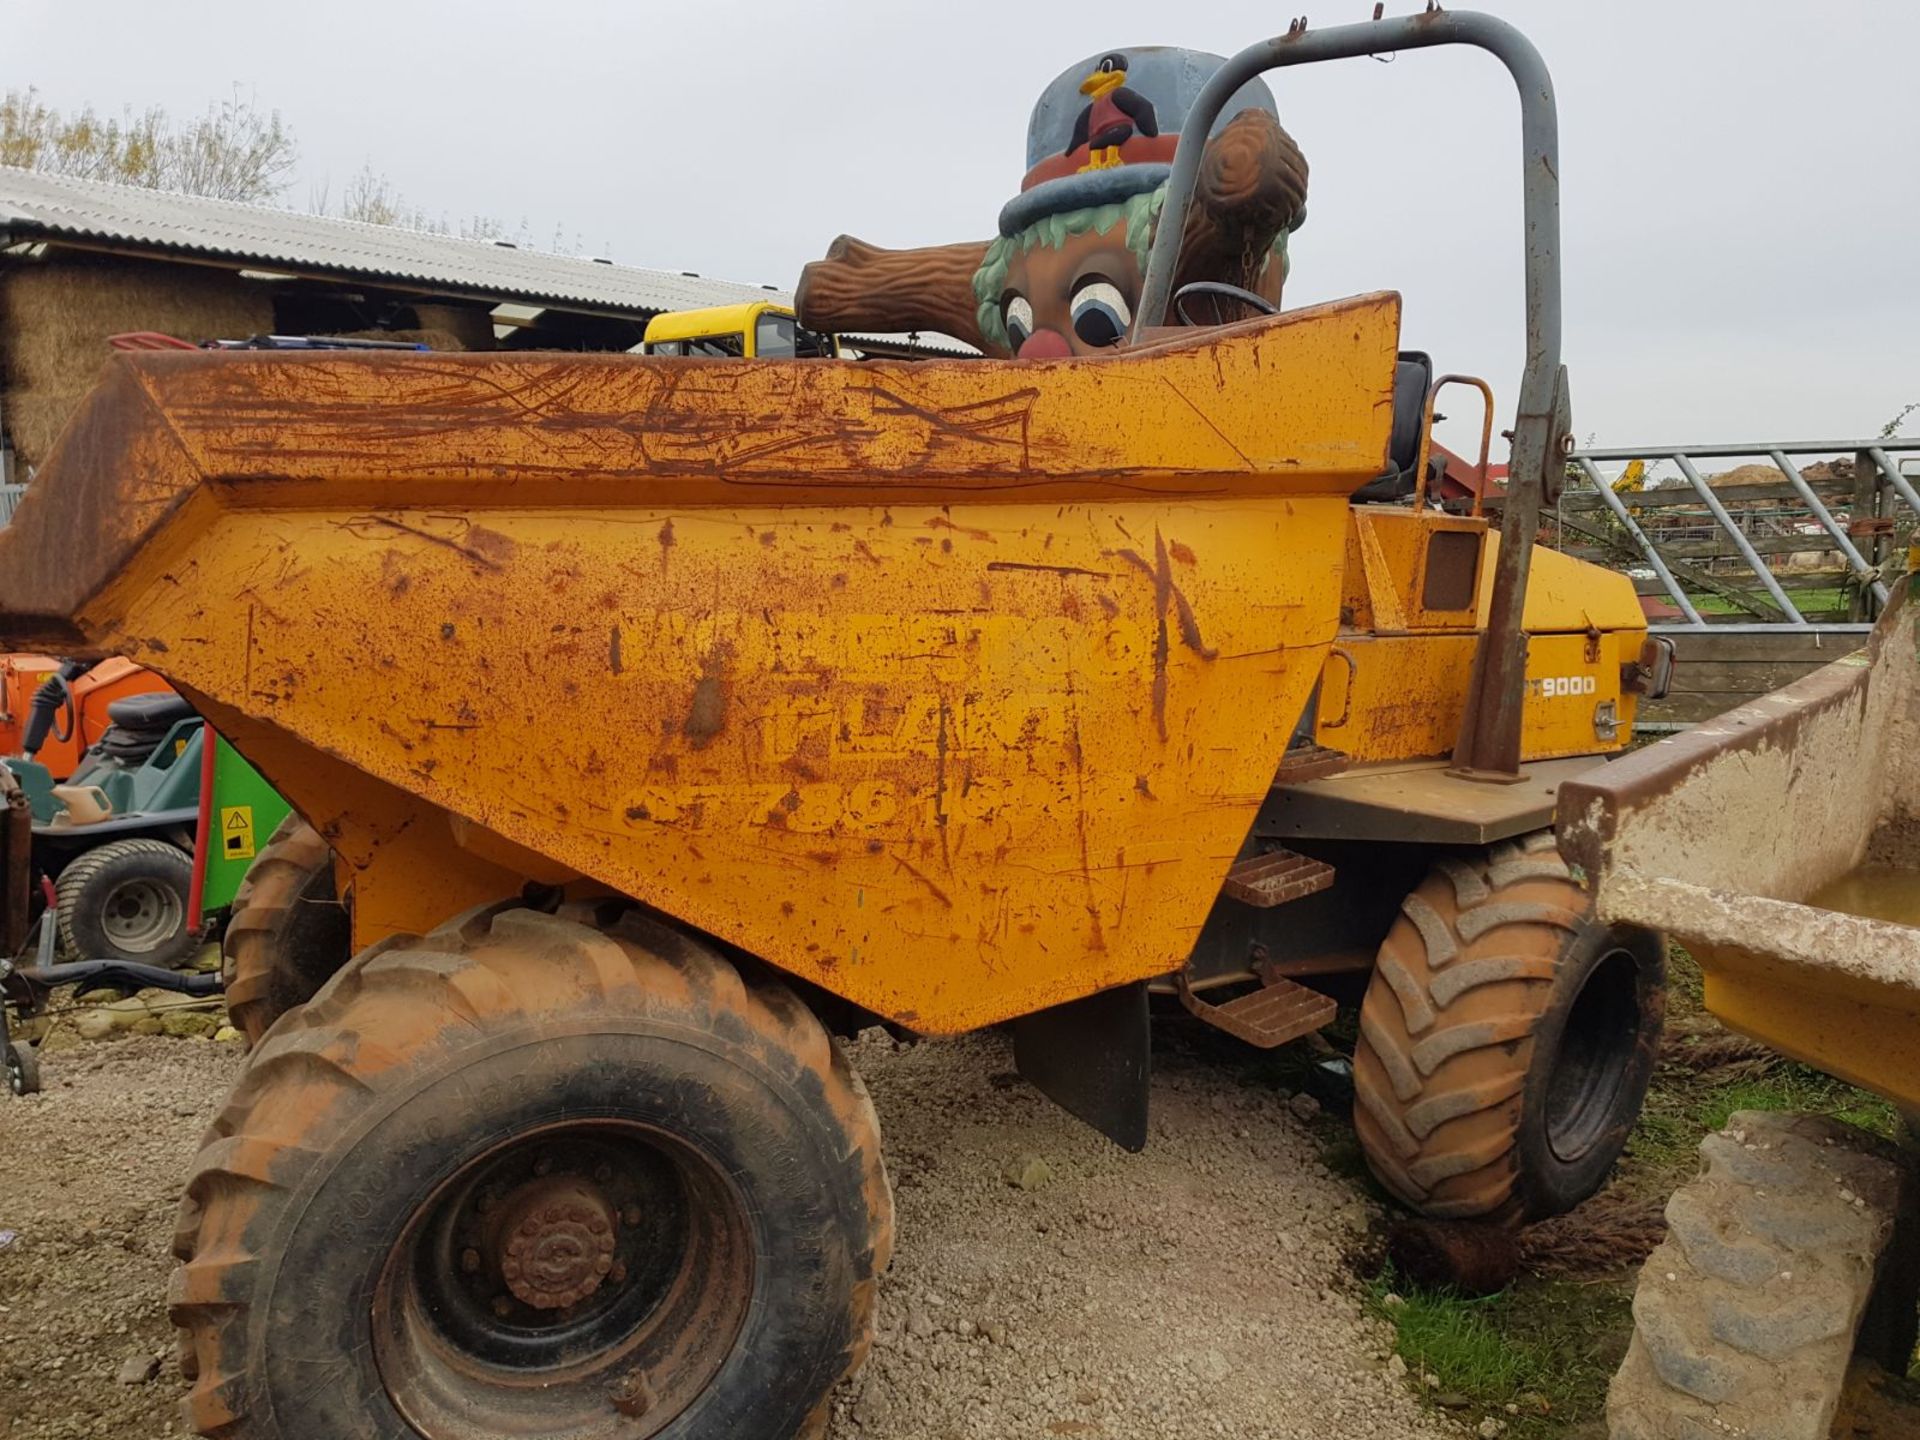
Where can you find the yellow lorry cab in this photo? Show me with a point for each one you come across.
(760, 330)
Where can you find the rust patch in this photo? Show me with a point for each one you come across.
(941, 522)
(666, 540)
(1181, 552)
(486, 549)
(932, 889)
(865, 552)
(1167, 595)
(1048, 569)
(613, 650)
(707, 715)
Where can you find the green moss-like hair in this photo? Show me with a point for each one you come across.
(1138, 212)
(990, 280)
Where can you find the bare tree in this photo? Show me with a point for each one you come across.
(370, 198)
(235, 151)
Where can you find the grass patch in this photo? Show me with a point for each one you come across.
(1547, 1348)
(1562, 1339)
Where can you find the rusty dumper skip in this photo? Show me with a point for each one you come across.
(663, 714)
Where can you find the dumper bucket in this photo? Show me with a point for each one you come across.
(952, 687)
(1780, 844)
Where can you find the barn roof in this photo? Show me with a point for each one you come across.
(35, 206)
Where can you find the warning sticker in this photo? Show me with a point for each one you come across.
(236, 832)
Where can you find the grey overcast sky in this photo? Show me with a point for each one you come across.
(1741, 178)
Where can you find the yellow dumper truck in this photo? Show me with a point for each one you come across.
(663, 715)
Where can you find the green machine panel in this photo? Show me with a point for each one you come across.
(243, 812)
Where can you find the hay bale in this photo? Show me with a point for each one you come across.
(56, 315)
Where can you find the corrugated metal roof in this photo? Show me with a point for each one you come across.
(259, 237)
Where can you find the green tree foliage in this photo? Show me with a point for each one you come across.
(235, 151)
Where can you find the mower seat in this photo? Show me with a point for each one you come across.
(137, 726)
(158, 710)
(1412, 378)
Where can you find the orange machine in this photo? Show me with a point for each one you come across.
(82, 716)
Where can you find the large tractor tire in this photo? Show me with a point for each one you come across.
(127, 900)
(1507, 1038)
(290, 930)
(1782, 1258)
(532, 1176)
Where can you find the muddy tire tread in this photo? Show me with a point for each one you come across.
(1745, 1315)
(251, 955)
(1461, 981)
(313, 1073)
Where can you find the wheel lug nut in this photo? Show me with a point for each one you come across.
(470, 1260)
(597, 1224)
(618, 1274)
(603, 1265)
(632, 1396)
(502, 1306)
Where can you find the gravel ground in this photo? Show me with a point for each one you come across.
(1044, 1283)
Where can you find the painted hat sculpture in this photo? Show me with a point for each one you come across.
(1064, 272)
(1106, 129)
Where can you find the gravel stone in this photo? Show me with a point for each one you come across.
(1103, 1303)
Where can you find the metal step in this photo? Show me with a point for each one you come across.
(1310, 762)
(1275, 878)
(1279, 1011)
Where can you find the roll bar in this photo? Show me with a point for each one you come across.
(1488, 746)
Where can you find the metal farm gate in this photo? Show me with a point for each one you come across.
(1775, 566)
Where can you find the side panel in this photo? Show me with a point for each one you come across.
(1401, 697)
(955, 769)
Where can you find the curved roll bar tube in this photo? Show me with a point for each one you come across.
(1489, 742)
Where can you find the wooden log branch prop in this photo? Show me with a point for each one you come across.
(1252, 185)
(862, 288)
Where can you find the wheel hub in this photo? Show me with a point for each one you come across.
(556, 1241)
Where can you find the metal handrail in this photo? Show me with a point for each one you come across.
(1426, 441)
(1489, 742)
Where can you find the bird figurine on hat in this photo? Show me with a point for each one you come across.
(1064, 274)
(1114, 115)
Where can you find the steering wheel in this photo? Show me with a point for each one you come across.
(61, 734)
(1222, 298)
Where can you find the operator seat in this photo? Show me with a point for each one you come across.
(1412, 378)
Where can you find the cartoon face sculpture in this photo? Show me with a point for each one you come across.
(1064, 274)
